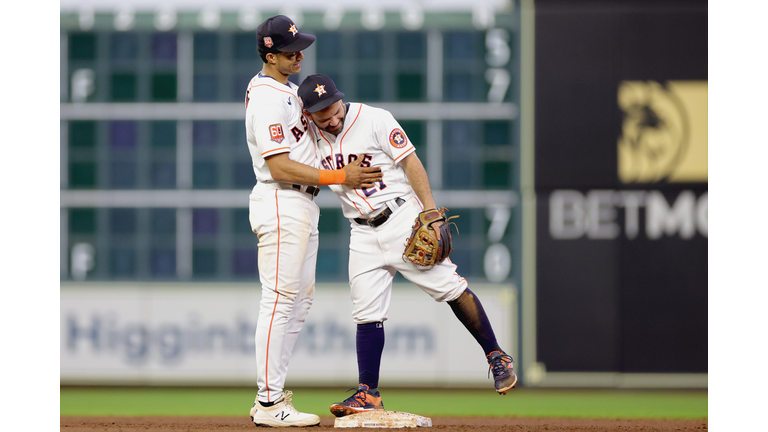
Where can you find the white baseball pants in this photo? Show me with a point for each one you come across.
(286, 223)
(375, 254)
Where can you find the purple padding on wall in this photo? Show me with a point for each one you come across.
(122, 134)
(163, 262)
(205, 133)
(164, 46)
(205, 221)
(244, 262)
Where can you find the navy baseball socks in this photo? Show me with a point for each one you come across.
(370, 346)
(470, 312)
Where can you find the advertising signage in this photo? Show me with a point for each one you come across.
(621, 186)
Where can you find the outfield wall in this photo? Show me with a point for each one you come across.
(189, 334)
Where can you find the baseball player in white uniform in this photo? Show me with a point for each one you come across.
(283, 213)
(381, 218)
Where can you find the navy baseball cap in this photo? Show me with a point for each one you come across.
(318, 92)
(279, 33)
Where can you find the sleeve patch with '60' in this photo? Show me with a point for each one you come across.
(276, 133)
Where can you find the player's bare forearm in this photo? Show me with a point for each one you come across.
(283, 169)
(417, 176)
(361, 177)
(419, 180)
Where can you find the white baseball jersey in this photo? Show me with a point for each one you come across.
(381, 142)
(376, 253)
(285, 220)
(274, 124)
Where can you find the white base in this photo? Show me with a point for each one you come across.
(383, 419)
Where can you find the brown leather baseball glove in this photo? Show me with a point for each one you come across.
(423, 247)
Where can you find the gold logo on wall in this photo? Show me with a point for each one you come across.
(664, 132)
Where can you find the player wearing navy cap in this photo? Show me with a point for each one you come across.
(381, 218)
(283, 213)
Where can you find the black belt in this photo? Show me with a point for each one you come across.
(312, 190)
(381, 217)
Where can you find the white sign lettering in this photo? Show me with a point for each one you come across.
(595, 215)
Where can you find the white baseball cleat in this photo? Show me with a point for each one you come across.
(282, 414)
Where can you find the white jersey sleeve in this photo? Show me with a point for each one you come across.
(268, 127)
(275, 124)
(391, 137)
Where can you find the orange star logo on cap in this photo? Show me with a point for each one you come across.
(293, 29)
(320, 90)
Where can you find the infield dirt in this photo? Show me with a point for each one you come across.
(457, 424)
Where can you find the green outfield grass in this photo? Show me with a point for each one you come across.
(96, 401)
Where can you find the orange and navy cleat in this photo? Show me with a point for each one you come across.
(503, 375)
(363, 400)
